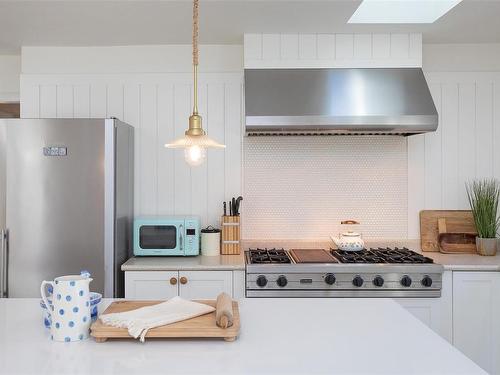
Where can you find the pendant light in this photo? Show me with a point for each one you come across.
(195, 141)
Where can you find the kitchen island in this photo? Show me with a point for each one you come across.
(278, 336)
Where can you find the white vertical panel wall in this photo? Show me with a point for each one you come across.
(158, 106)
(466, 145)
(332, 50)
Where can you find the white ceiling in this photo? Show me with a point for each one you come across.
(99, 22)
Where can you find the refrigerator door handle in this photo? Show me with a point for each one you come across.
(4, 234)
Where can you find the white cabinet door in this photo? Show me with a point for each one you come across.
(157, 285)
(238, 284)
(205, 284)
(476, 317)
(436, 313)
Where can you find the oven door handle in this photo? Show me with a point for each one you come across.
(181, 237)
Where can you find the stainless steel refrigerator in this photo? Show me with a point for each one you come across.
(66, 202)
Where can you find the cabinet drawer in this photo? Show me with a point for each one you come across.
(157, 285)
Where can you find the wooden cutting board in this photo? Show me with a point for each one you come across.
(200, 327)
(312, 256)
(457, 221)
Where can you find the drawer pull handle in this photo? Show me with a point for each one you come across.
(184, 280)
(173, 281)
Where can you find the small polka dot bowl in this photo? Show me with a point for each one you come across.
(95, 299)
(69, 307)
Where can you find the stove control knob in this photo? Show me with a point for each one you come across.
(282, 281)
(406, 281)
(330, 278)
(427, 281)
(357, 281)
(378, 281)
(261, 281)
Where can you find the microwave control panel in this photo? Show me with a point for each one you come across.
(192, 237)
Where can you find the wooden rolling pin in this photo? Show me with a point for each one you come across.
(224, 311)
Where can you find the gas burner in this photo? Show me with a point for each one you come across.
(381, 255)
(268, 256)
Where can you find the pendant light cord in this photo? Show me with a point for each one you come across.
(195, 55)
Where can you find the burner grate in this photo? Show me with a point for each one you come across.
(381, 255)
(268, 256)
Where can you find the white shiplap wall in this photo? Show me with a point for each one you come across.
(158, 106)
(332, 50)
(466, 145)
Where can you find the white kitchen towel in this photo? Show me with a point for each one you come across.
(140, 321)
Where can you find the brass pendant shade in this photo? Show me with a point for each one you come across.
(195, 141)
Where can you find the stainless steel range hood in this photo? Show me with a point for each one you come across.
(338, 101)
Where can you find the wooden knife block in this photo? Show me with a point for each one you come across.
(230, 235)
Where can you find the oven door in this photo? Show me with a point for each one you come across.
(159, 238)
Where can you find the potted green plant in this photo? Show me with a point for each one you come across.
(483, 198)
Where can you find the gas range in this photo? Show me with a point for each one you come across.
(374, 272)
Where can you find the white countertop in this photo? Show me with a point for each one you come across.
(455, 262)
(207, 263)
(278, 336)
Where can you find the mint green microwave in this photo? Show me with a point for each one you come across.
(166, 236)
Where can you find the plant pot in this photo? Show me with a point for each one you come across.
(486, 246)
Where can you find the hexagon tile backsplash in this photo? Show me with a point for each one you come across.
(302, 187)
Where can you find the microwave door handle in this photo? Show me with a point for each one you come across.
(181, 236)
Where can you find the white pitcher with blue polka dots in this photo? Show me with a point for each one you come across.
(70, 307)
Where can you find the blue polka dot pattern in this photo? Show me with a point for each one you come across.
(87, 303)
(58, 296)
(72, 283)
(75, 309)
(81, 293)
(50, 289)
(67, 339)
(57, 325)
(84, 319)
(68, 298)
(80, 337)
(71, 324)
(61, 312)
(52, 307)
(57, 282)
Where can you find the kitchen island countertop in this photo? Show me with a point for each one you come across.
(278, 336)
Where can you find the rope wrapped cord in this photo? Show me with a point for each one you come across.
(195, 31)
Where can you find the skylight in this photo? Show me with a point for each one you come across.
(401, 11)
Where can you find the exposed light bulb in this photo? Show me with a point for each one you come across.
(195, 155)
